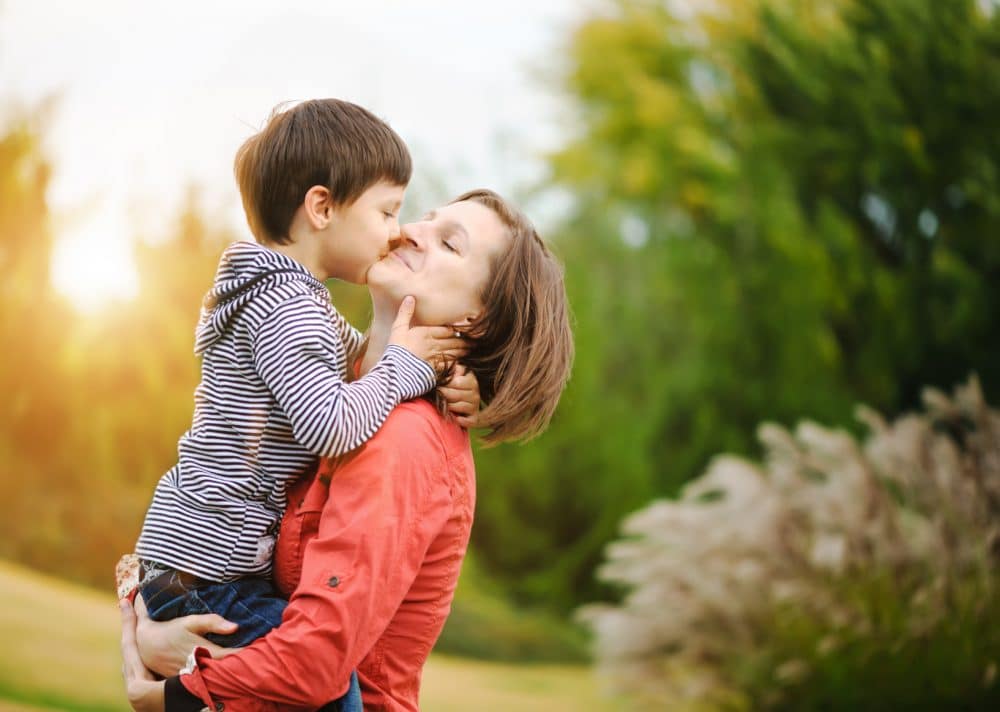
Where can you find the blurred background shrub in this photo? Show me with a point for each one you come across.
(839, 574)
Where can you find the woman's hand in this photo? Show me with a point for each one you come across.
(462, 395)
(144, 692)
(164, 646)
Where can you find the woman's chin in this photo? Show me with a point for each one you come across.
(377, 276)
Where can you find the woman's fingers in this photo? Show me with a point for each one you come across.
(209, 623)
(132, 665)
(139, 606)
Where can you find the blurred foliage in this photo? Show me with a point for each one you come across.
(778, 209)
(840, 575)
(781, 208)
(483, 624)
(94, 406)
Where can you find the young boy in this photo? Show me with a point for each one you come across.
(321, 185)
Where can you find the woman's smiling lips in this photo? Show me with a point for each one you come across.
(395, 253)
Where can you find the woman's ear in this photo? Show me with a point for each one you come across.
(318, 207)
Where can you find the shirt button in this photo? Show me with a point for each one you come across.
(219, 707)
(333, 582)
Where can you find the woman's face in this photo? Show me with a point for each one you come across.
(443, 260)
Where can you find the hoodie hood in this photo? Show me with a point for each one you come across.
(245, 271)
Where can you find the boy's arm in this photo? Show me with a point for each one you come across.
(351, 338)
(384, 509)
(296, 357)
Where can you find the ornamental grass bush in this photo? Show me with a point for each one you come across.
(840, 574)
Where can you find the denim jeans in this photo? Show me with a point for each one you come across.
(252, 603)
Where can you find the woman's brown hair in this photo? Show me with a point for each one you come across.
(521, 346)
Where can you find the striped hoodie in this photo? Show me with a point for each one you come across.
(272, 399)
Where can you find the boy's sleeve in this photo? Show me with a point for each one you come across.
(296, 356)
(385, 508)
(351, 337)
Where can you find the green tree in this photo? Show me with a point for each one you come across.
(781, 208)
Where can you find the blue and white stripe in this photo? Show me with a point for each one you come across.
(273, 397)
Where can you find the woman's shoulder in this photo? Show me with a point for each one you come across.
(421, 415)
(419, 427)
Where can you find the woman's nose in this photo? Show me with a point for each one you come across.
(411, 235)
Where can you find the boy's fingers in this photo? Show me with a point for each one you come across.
(455, 396)
(450, 347)
(405, 314)
(439, 332)
(461, 380)
(461, 408)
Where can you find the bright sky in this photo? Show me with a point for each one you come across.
(154, 96)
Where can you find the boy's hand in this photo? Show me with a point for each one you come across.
(461, 393)
(437, 345)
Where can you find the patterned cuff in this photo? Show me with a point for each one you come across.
(127, 577)
(416, 376)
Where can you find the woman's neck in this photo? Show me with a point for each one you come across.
(378, 334)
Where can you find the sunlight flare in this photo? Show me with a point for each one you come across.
(92, 264)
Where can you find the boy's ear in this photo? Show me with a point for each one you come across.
(318, 207)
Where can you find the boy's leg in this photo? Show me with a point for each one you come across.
(350, 702)
(252, 603)
(167, 593)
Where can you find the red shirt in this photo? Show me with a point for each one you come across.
(373, 558)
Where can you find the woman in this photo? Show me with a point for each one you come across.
(372, 546)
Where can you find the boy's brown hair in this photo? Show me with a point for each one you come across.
(521, 346)
(327, 142)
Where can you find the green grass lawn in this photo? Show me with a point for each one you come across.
(62, 654)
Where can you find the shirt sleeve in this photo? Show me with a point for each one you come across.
(351, 337)
(384, 510)
(296, 356)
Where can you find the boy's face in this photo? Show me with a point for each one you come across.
(358, 234)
